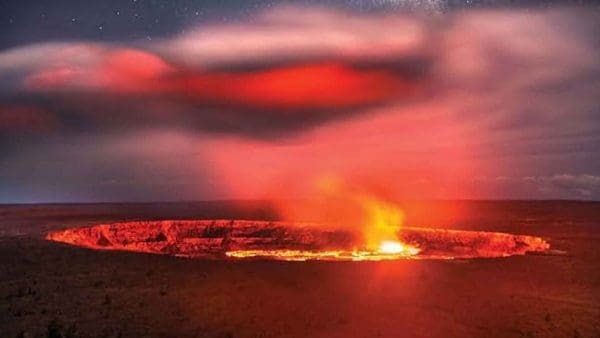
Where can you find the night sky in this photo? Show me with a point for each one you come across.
(24, 22)
(151, 100)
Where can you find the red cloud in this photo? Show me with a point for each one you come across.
(50, 78)
(321, 85)
(306, 86)
(131, 70)
(120, 71)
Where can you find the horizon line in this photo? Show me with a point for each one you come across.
(283, 199)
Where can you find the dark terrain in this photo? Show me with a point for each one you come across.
(51, 289)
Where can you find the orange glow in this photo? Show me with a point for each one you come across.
(376, 221)
(382, 226)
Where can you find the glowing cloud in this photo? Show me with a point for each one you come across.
(421, 104)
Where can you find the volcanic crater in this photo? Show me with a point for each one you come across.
(242, 239)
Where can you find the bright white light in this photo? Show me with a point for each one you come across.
(391, 247)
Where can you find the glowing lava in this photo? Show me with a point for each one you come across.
(388, 250)
(301, 256)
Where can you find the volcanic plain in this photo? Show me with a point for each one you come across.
(51, 289)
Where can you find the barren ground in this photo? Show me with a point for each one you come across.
(49, 288)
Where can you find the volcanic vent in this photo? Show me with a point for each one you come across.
(237, 239)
